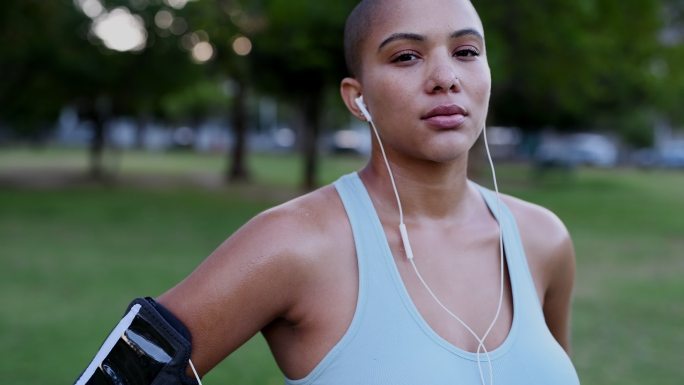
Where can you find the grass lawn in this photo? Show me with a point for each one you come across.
(72, 257)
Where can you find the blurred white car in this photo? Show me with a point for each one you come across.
(670, 155)
(577, 149)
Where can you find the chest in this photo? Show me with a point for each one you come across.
(458, 282)
(389, 330)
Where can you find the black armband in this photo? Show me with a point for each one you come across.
(149, 346)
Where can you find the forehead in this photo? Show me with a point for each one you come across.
(431, 18)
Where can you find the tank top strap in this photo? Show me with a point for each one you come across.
(355, 204)
(516, 258)
(359, 210)
(376, 279)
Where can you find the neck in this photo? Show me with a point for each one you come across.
(427, 190)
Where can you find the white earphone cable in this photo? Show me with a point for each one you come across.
(409, 252)
(194, 371)
(389, 170)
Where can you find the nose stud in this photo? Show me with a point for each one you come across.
(453, 84)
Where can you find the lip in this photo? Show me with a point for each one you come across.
(445, 116)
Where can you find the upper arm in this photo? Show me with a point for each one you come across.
(558, 295)
(248, 281)
(551, 258)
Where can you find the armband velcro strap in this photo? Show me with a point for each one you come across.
(149, 346)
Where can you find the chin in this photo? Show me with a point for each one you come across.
(450, 150)
(445, 157)
(450, 158)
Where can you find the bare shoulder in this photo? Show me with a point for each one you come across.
(258, 275)
(546, 241)
(301, 228)
(551, 258)
(294, 236)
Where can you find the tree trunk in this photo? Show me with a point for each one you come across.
(98, 112)
(96, 151)
(237, 166)
(312, 105)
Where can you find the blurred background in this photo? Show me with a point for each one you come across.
(136, 135)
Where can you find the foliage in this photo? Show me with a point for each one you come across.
(62, 63)
(300, 50)
(299, 56)
(614, 65)
(668, 68)
(205, 97)
(135, 82)
(32, 92)
(570, 64)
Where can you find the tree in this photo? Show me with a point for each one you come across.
(667, 66)
(299, 56)
(224, 22)
(105, 82)
(62, 62)
(32, 91)
(570, 64)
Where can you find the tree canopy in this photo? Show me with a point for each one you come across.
(571, 64)
(568, 64)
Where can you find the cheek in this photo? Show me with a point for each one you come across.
(390, 98)
(482, 90)
(484, 84)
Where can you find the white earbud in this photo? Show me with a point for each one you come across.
(362, 106)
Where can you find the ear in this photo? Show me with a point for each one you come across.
(350, 89)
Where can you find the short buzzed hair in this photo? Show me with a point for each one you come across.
(356, 29)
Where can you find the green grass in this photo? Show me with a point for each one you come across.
(627, 225)
(266, 169)
(72, 258)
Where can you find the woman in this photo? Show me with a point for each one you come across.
(326, 278)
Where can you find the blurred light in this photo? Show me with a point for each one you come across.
(228, 87)
(242, 45)
(179, 26)
(347, 139)
(92, 38)
(187, 41)
(120, 30)
(200, 35)
(139, 4)
(236, 16)
(503, 136)
(247, 23)
(91, 8)
(178, 4)
(163, 19)
(190, 40)
(202, 52)
(184, 136)
(163, 33)
(284, 137)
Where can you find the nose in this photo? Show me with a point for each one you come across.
(443, 78)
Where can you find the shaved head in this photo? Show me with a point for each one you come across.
(358, 26)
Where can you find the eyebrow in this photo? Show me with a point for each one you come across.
(467, 32)
(401, 36)
(417, 37)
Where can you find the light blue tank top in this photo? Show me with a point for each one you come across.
(389, 343)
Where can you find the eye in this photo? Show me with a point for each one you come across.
(405, 57)
(467, 52)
